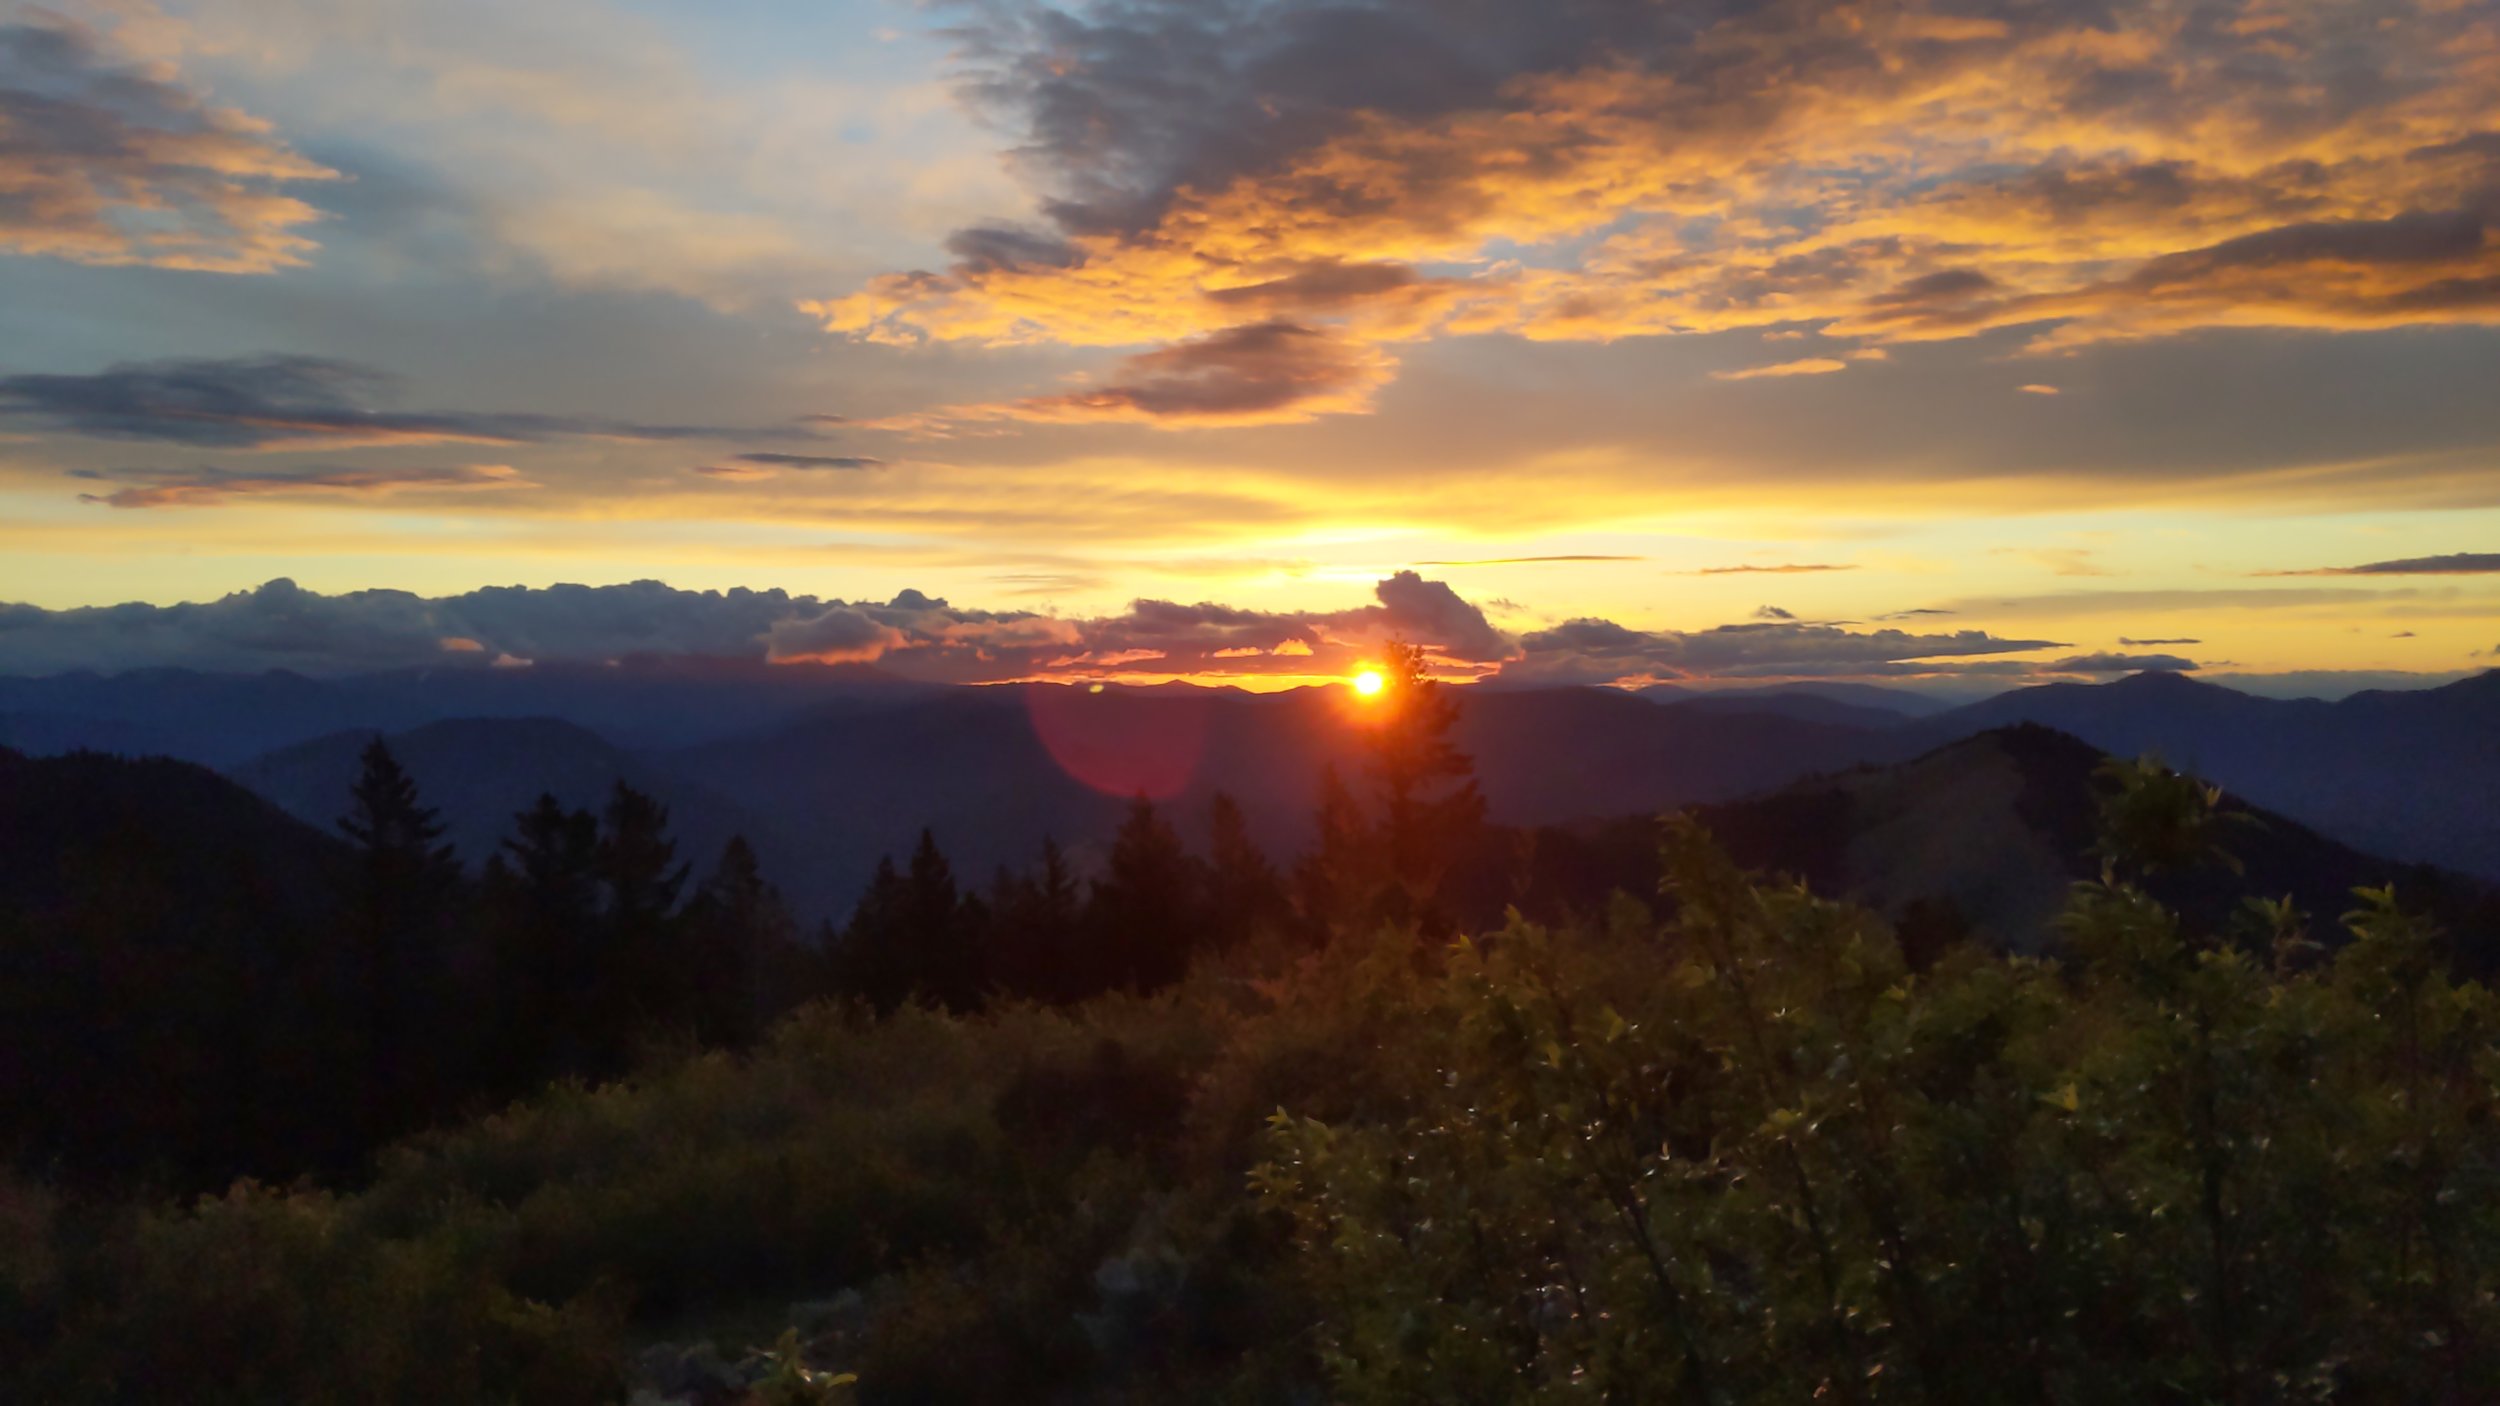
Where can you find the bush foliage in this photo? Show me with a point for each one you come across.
(1732, 1146)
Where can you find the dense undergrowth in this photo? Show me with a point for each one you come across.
(1736, 1152)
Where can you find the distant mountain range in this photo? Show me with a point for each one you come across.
(828, 768)
(1984, 836)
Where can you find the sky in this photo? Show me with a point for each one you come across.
(1957, 344)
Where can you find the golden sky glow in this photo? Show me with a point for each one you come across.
(1951, 344)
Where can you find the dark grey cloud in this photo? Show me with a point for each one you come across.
(282, 625)
(2149, 644)
(104, 161)
(1120, 105)
(2453, 564)
(990, 248)
(209, 486)
(2120, 664)
(1259, 373)
(275, 402)
(1772, 612)
(811, 461)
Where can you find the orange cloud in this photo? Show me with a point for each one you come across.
(104, 162)
(1885, 172)
(1811, 366)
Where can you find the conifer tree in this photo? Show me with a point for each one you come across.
(405, 884)
(1145, 915)
(740, 936)
(1430, 808)
(912, 936)
(543, 897)
(644, 980)
(1034, 918)
(1336, 883)
(1244, 893)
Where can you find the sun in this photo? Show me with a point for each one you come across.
(1369, 683)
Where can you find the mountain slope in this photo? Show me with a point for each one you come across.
(170, 946)
(2405, 773)
(1984, 835)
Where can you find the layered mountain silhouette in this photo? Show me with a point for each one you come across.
(2409, 774)
(225, 719)
(826, 769)
(480, 772)
(1983, 837)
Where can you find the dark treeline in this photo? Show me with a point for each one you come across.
(191, 1004)
(186, 1013)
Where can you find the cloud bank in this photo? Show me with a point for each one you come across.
(282, 625)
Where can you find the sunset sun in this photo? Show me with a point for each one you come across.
(1369, 683)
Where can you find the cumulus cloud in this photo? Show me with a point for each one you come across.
(1602, 651)
(1883, 173)
(282, 402)
(208, 487)
(2453, 564)
(2120, 664)
(104, 161)
(281, 625)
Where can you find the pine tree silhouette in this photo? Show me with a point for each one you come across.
(912, 936)
(1430, 808)
(543, 892)
(739, 941)
(1244, 893)
(643, 984)
(1144, 919)
(405, 885)
(1337, 884)
(1033, 930)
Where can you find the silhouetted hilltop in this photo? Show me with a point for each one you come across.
(2403, 773)
(171, 951)
(87, 826)
(1983, 837)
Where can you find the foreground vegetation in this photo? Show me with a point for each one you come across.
(1732, 1151)
(1723, 1143)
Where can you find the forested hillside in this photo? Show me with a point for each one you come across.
(1202, 1125)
